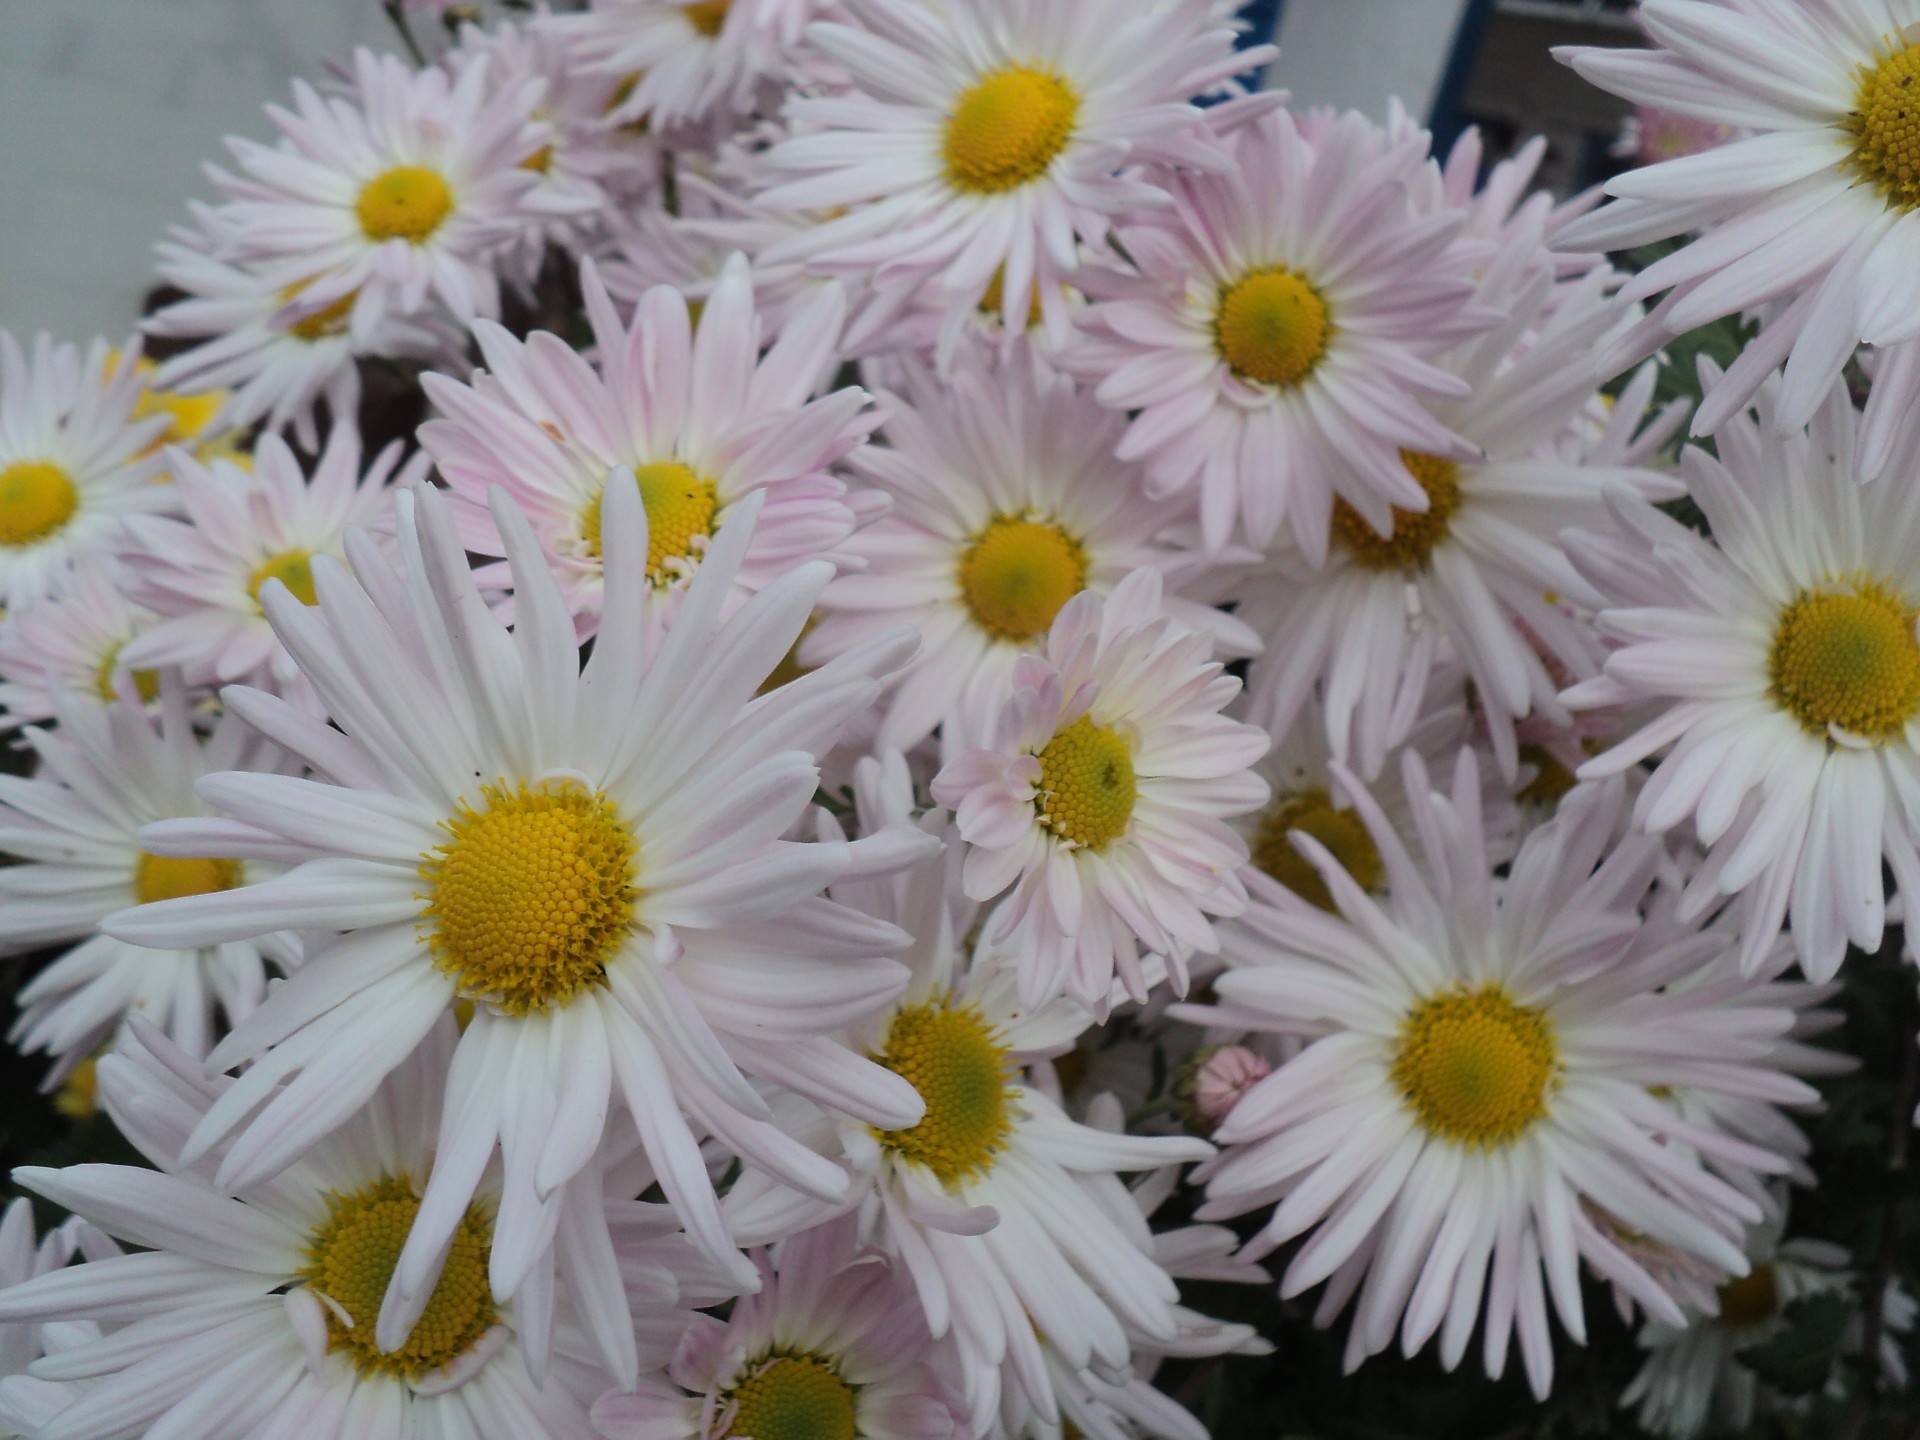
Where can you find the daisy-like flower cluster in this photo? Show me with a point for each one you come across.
(770, 714)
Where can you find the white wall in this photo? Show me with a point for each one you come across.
(1357, 54)
(107, 110)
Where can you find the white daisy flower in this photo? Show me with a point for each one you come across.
(66, 646)
(239, 528)
(72, 833)
(1785, 657)
(1810, 213)
(1099, 805)
(72, 460)
(1481, 1057)
(989, 138)
(593, 857)
(26, 1404)
(699, 419)
(1276, 338)
(1006, 503)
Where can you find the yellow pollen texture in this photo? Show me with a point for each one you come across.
(792, 1397)
(1006, 130)
(351, 1258)
(680, 510)
(1415, 532)
(37, 499)
(1475, 1066)
(293, 569)
(1885, 125)
(1018, 574)
(1752, 1299)
(1848, 658)
(1272, 326)
(531, 894)
(1312, 812)
(707, 16)
(169, 877)
(408, 202)
(952, 1057)
(1087, 785)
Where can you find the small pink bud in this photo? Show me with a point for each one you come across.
(1223, 1078)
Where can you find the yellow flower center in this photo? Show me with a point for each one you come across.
(293, 569)
(792, 1397)
(540, 161)
(1272, 326)
(188, 416)
(37, 499)
(1848, 658)
(1312, 812)
(995, 299)
(1019, 573)
(1006, 130)
(1087, 786)
(146, 683)
(1475, 1067)
(1415, 532)
(1885, 125)
(953, 1058)
(706, 16)
(1752, 1299)
(332, 320)
(531, 895)
(406, 203)
(350, 1260)
(1551, 780)
(170, 877)
(680, 507)
(78, 1097)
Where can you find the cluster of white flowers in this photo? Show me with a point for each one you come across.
(629, 912)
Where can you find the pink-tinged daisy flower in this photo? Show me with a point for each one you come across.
(73, 461)
(593, 857)
(988, 139)
(1099, 806)
(1809, 215)
(697, 420)
(834, 1344)
(1782, 655)
(65, 647)
(1006, 503)
(203, 573)
(1482, 1058)
(73, 835)
(1276, 336)
(407, 190)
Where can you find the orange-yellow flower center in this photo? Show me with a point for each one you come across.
(1885, 125)
(1475, 1067)
(408, 202)
(1018, 574)
(1087, 785)
(1848, 657)
(170, 877)
(1312, 812)
(1272, 326)
(792, 1397)
(706, 16)
(681, 508)
(293, 569)
(1007, 129)
(953, 1057)
(1415, 532)
(37, 499)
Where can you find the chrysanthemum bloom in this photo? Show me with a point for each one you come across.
(72, 460)
(195, 420)
(258, 1311)
(697, 421)
(203, 572)
(1478, 573)
(834, 1344)
(1009, 1216)
(1277, 336)
(1785, 655)
(1481, 1060)
(72, 833)
(1099, 804)
(65, 647)
(593, 857)
(986, 139)
(1007, 502)
(406, 191)
(1811, 213)
(26, 1403)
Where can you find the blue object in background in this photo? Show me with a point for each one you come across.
(1263, 21)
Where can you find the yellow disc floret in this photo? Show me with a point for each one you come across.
(953, 1057)
(146, 683)
(1312, 812)
(1475, 1066)
(293, 569)
(1272, 326)
(331, 319)
(1752, 1299)
(1006, 130)
(1885, 125)
(408, 202)
(1087, 785)
(707, 17)
(1415, 532)
(37, 499)
(350, 1260)
(170, 877)
(680, 507)
(1848, 657)
(531, 895)
(792, 1397)
(1018, 574)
